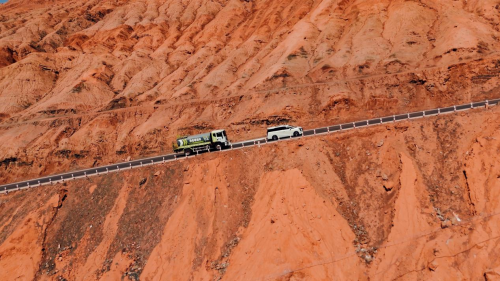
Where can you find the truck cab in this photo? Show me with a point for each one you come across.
(219, 139)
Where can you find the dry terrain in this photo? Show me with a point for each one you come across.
(412, 200)
(86, 83)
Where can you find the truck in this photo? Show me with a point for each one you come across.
(215, 140)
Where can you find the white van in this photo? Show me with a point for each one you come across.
(278, 132)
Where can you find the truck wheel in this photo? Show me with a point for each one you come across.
(187, 152)
(275, 137)
(295, 134)
(218, 147)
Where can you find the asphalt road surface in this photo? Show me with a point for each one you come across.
(52, 179)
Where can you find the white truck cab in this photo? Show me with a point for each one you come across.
(278, 132)
(219, 137)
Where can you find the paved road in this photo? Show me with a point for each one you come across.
(239, 145)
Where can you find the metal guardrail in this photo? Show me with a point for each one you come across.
(52, 179)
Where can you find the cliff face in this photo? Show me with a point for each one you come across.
(85, 83)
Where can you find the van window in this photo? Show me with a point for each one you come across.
(279, 128)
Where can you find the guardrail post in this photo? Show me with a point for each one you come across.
(85, 174)
(393, 118)
(72, 176)
(97, 172)
(28, 184)
(39, 184)
(118, 167)
(142, 165)
(130, 166)
(454, 108)
(439, 111)
(152, 162)
(354, 125)
(407, 115)
(423, 113)
(18, 187)
(107, 171)
(314, 131)
(163, 159)
(62, 178)
(50, 180)
(341, 127)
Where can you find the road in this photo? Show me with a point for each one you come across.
(52, 179)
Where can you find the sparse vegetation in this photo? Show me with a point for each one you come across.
(43, 33)
(79, 87)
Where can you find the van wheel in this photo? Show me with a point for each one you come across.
(218, 147)
(275, 137)
(295, 134)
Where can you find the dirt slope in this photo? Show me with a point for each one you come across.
(413, 200)
(86, 83)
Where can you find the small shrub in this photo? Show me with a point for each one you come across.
(78, 88)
